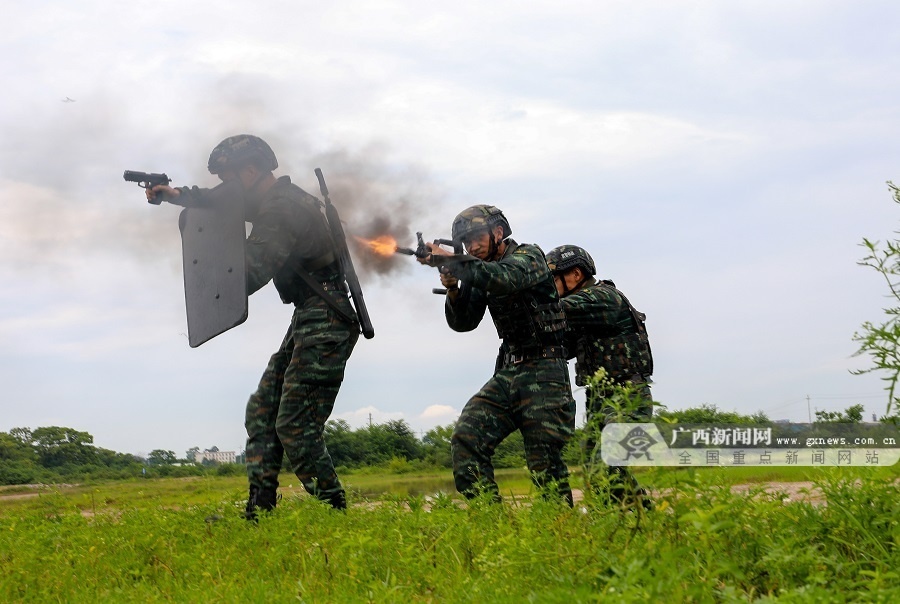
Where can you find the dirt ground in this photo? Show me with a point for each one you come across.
(793, 491)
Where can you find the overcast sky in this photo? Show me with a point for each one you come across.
(721, 161)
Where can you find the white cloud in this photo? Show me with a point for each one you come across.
(439, 414)
(489, 136)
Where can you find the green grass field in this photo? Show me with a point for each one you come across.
(184, 540)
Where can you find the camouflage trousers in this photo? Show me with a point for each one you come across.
(295, 397)
(534, 397)
(600, 411)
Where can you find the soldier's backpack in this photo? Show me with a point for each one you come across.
(639, 319)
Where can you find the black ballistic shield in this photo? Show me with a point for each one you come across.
(340, 240)
(215, 281)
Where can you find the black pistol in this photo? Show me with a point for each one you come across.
(147, 180)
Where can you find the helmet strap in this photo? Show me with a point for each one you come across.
(494, 249)
(566, 289)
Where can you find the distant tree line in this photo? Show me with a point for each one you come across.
(710, 414)
(55, 453)
(58, 454)
(395, 446)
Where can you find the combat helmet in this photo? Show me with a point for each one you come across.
(477, 218)
(237, 151)
(561, 259)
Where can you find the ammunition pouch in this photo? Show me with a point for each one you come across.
(524, 323)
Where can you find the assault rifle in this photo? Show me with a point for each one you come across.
(421, 251)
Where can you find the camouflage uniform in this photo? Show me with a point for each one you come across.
(296, 394)
(530, 389)
(603, 331)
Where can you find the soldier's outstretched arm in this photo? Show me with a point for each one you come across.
(465, 312)
(168, 193)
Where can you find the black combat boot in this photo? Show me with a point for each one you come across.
(625, 491)
(260, 499)
(337, 501)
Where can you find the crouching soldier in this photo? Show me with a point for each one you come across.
(604, 331)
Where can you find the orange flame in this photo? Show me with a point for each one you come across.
(383, 246)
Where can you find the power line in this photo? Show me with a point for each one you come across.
(811, 397)
(850, 396)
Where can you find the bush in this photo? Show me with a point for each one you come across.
(399, 465)
(17, 473)
(231, 469)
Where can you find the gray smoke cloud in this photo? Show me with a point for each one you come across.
(375, 199)
(63, 196)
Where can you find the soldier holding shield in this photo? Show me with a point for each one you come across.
(290, 244)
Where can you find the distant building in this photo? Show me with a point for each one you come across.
(216, 456)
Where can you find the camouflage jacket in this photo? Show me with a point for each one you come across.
(288, 232)
(519, 292)
(603, 332)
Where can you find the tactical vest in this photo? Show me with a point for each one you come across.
(530, 319)
(291, 286)
(623, 354)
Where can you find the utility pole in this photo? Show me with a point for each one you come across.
(370, 420)
(808, 411)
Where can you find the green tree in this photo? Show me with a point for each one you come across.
(191, 454)
(23, 435)
(510, 453)
(17, 457)
(436, 446)
(158, 457)
(58, 446)
(344, 445)
(114, 460)
(852, 415)
(881, 341)
(372, 445)
(402, 440)
(382, 442)
(13, 449)
(710, 414)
